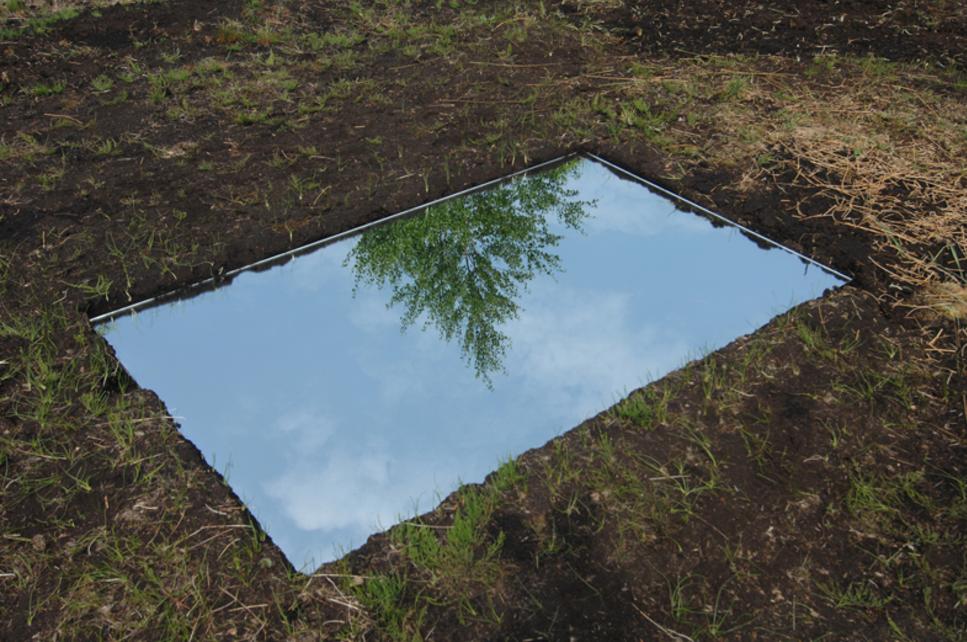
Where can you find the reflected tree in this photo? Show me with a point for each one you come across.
(462, 265)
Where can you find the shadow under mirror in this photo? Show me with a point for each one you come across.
(545, 297)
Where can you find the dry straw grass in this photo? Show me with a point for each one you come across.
(946, 298)
(905, 185)
(883, 145)
(890, 162)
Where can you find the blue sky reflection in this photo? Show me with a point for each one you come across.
(332, 423)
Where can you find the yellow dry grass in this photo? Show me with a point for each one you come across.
(947, 298)
(892, 167)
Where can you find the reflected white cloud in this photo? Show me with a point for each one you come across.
(583, 348)
(344, 490)
(305, 431)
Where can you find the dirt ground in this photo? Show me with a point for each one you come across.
(808, 481)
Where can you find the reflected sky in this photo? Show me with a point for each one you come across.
(331, 422)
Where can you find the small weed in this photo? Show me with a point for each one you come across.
(857, 595)
(118, 98)
(837, 434)
(383, 595)
(51, 89)
(467, 534)
(866, 497)
(758, 446)
(697, 437)
(253, 117)
(714, 379)
(735, 88)
(647, 408)
(884, 503)
(814, 340)
(560, 469)
(719, 622)
(97, 290)
(51, 178)
(651, 122)
(677, 601)
(463, 554)
(876, 67)
(24, 148)
(454, 561)
(641, 70)
(102, 84)
(108, 147)
(171, 57)
(507, 476)
(822, 65)
(873, 385)
(281, 160)
(211, 67)
(320, 41)
(680, 485)
(165, 84)
(301, 186)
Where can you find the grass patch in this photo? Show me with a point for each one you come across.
(646, 408)
(36, 25)
(446, 564)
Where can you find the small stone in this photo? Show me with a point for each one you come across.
(38, 542)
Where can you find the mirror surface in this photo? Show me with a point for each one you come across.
(358, 384)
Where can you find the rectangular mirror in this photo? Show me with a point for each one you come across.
(355, 385)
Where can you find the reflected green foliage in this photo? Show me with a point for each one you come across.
(462, 264)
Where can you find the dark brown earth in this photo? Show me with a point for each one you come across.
(805, 482)
(911, 30)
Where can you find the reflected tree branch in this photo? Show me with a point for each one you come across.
(462, 265)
